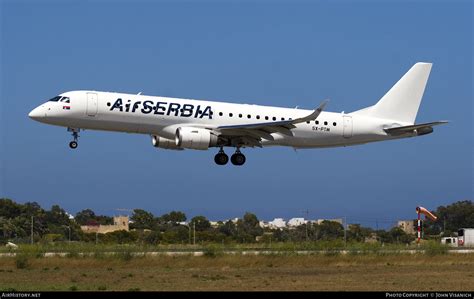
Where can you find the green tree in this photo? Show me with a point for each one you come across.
(176, 234)
(282, 235)
(330, 230)
(7, 228)
(9, 208)
(57, 216)
(88, 217)
(152, 237)
(84, 217)
(248, 228)
(454, 216)
(120, 237)
(201, 223)
(394, 235)
(228, 228)
(142, 219)
(174, 217)
(32, 209)
(250, 220)
(358, 233)
(398, 235)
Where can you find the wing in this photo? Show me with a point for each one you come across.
(420, 129)
(252, 134)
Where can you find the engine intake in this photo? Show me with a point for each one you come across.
(165, 143)
(195, 138)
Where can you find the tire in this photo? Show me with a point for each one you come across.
(238, 159)
(73, 144)
(221, 159)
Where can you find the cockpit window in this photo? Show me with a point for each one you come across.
(65, 100)
(55, 99)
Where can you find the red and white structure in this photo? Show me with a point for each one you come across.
(428, 214)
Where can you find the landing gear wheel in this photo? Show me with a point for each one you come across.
(237, 159)
(73, 144)
(221, 158)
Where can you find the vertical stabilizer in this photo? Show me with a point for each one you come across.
(402, 101)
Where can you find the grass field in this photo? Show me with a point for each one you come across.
(324, 272)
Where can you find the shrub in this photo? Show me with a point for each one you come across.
(434, 248)
(72, 254)
(125, 255)
(212, 251)
(22, 261)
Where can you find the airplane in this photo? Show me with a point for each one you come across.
(178, 124)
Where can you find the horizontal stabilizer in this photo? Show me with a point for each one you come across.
(419, 129)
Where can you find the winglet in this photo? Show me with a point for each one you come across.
(313, 115)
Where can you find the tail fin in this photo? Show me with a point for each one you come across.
(402, 101)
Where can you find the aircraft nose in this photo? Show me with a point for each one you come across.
(37, 113)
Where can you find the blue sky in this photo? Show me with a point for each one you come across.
(270, 53)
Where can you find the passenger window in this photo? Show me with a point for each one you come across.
(282, 118)
(240, 115)
(230, 114)
(274, 118)
(266, 117)
(317, 122)
(334, 124)
(258, 116)
(325, 123)
(307, 121)
(220, 113)
(249, 116)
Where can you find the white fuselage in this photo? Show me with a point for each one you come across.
(161, 116)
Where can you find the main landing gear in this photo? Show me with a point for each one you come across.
(237, 158)
(75, 134)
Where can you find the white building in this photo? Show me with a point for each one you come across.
(263, 224)
(214, 224)
(293, 222)
(277, 223)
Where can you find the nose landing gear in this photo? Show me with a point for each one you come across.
(75, 134)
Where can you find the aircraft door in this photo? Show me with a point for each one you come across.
(92, 104)
(347, 126)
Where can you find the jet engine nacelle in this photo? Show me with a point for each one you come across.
(195, 138)
(165, 143)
